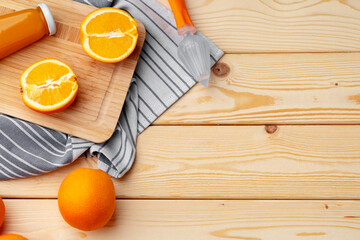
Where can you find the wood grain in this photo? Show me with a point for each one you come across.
(228, 162)
(310, 88)
(244, 26)
(102, 87)
(235, 162)
(194, 220)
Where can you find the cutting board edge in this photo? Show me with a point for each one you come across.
(142, 32)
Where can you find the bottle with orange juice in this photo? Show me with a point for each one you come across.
(22, 28)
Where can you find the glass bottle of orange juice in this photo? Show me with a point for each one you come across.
(22, 28)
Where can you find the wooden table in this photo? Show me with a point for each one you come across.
(271, 150)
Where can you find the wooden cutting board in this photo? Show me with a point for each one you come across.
(102, 86)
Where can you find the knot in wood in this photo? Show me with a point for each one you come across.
(270, 129)
(221, 69)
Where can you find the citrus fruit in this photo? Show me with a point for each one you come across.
(2, 211)
(109, 34)
(12, 237)
(86, 199)
(48, 86)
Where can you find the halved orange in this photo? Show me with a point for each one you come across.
(109, 34)
(48, 86)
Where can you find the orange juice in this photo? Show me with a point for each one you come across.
(22, 28)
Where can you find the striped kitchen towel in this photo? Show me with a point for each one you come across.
(159, 80)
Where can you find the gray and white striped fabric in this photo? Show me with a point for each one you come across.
(97, 3)
(27, 149)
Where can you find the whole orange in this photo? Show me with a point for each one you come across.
(86, 199)
(2, 211)
(12, 237)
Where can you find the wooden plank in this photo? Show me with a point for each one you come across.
(263, 26)
(244, 26)
(102, 86)
(194, 219)
(229, 162)
(321, 88)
